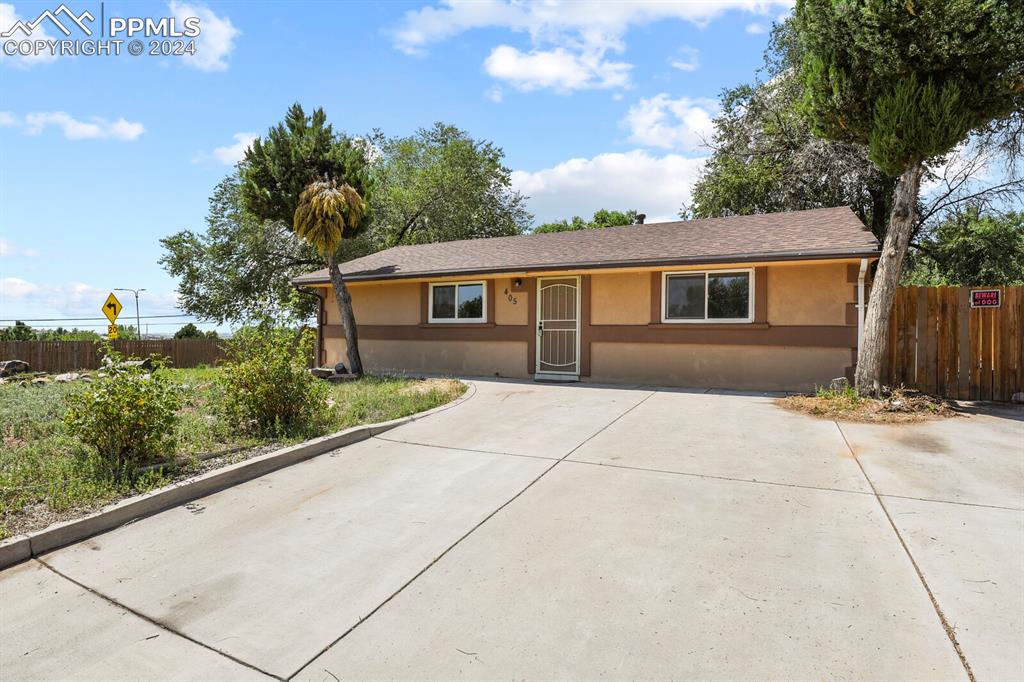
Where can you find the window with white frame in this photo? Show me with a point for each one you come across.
(713, 296)
(458, 302)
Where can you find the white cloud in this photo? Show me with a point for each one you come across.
(558, 69)
(9, 250)
(688, 59)
(551, 20)
(570, 40)
(216, 36)
(7, 119)
(495, 94)
(94, 129)
(657, 186)
(230, 154)
(8, 17)
(15, 289)
(682, 123)
(756, 29)
(74, 299)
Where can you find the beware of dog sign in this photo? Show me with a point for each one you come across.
(985, 298)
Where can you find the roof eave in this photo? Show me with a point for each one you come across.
(598, 265)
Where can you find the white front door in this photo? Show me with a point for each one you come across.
(558, 326)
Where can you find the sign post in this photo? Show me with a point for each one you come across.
(112, 308)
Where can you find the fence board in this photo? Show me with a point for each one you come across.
(909, 336)
(65, 356)
(939, 344)
(963, 301)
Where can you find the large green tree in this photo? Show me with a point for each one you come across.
(438, 184)
(601, 218)
(909, 80)
(765, 158)
(240, 267)
(441, 184)
(971, 248)
(304, 174)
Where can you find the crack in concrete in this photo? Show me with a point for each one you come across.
(950, 631)
(464, 536)
(451, 447)
(717, 477)
(154, 621)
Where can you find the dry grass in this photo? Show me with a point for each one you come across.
(46, 475)
(425, 386)
(896, 406)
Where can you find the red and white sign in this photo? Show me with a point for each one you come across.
(985, 298)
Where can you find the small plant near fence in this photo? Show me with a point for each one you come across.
(268, 389)
(128, 416)
(841, 394)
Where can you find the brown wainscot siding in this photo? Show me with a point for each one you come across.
(802, 334)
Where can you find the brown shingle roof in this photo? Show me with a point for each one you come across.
(818, 233)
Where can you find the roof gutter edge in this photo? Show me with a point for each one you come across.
(600, 265)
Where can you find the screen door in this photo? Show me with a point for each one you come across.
(558, 326)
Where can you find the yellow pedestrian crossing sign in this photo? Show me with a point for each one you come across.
(112, 308)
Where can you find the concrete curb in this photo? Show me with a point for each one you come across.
(21, 547)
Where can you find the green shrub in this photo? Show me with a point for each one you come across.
(845, 396)
(127, 416)
(268, 389)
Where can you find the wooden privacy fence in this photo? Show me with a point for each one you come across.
(65, 356)
(938, 344)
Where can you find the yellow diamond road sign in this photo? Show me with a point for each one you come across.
(112, 307)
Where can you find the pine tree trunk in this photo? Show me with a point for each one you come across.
(348, 318)
(887, 278)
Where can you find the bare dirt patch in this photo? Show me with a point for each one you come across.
(897, 407)
(425, 386)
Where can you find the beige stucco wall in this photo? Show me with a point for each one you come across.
(621, 298)
(814, 294)
(805, 294)
(395, 303)
(808, 294)
(776, 368)
(379, 303)
(477, 358)
(506, 311)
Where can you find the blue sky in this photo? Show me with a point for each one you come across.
(599, 105)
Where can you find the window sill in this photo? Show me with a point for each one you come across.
(709, 325)
(456, 325)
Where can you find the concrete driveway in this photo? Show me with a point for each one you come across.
(578, 532)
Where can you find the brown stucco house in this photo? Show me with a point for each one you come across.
(769, 302)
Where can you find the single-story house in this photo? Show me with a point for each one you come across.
(771, 301)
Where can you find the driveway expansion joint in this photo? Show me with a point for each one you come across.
(154, 621)
(950, 630)
(465, 535)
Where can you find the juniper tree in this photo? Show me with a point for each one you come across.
(911, 80)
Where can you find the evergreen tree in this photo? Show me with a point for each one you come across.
(910, 80)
